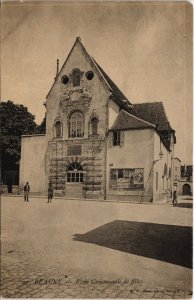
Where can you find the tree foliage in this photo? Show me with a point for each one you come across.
(15, 121)
(41, 129)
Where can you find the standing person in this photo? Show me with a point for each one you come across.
(26, 191)
(50, 193)
(174, 201)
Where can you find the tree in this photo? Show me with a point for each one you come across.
(41, 129)
(15, 121)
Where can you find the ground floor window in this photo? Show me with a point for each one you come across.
(127, 179)
(75, 173)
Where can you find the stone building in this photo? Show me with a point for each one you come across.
(98, 145)
(186, 181)
(177, 169)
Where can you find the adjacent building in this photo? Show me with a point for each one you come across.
(99, 145)
(186, 180)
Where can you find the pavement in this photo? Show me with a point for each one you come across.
(94, 249)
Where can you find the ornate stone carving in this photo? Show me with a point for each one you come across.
(77, 93)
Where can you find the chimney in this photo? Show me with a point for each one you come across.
(57, 72)
(57, 67)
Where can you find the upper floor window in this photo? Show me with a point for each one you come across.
(76, 77)
(76, 125)
(94, 126)
(58, 129)
(116, 138)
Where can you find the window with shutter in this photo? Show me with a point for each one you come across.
(116, 138)
(122, 137)
(110, 139)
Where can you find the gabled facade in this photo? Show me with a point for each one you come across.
(97, 144)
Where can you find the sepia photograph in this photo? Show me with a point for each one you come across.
(96, 182)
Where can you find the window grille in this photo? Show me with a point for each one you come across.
(75, 173)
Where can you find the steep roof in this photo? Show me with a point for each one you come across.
(120, 97)
(154, 113)
(117, 95)
(126, 121)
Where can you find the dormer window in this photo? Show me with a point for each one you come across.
(76, 77)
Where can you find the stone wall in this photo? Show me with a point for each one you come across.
(32, 164)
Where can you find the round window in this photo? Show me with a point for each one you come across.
(89, 75)
(65, 79)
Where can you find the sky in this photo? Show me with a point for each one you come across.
(144, 47)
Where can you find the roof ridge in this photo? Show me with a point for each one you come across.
(149, 102)
(56, 77)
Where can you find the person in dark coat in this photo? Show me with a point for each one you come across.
(174, 201)
(50, 193)
(26, 192)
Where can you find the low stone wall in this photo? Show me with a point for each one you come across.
(3, 189)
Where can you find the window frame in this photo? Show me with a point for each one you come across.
(116, 141)
(76, 125)
(58, 128)
(75, 174)
(94, 126)
(76, 77)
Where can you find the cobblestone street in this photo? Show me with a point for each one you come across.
(41, 258)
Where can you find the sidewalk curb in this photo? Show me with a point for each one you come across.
(165, 202)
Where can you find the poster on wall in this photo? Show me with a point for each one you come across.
(126, 179)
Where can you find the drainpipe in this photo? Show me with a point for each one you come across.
(57, 71)
(172, 168)
(106, 149)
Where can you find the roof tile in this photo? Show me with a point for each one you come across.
(126, 121)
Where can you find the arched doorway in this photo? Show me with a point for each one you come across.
(75, 172)
(74, 184)
(186, 189)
